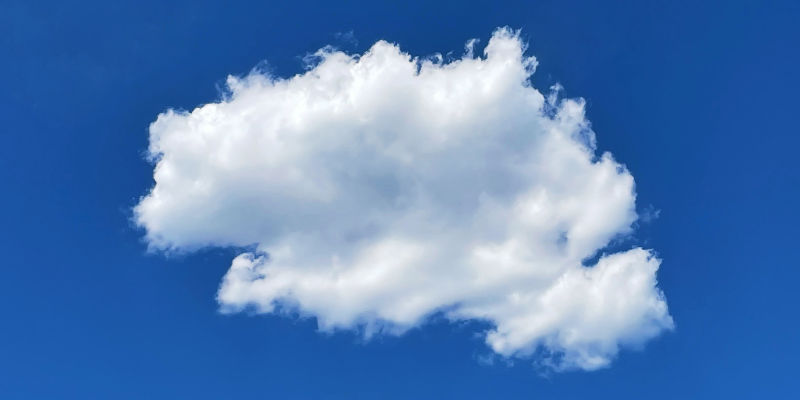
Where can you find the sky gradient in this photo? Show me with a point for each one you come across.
(698, 101)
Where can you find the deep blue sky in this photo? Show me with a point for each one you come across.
(698, 100)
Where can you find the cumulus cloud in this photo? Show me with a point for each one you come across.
(379, 189)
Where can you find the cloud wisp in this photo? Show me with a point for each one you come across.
(376, 190)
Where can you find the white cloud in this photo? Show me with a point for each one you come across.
(379, 189)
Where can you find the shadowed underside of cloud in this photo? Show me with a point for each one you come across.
(379, 189)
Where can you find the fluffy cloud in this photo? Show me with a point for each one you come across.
(378, 189)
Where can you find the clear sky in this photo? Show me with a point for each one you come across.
(698, 101)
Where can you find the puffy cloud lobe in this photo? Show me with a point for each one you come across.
(379, 189)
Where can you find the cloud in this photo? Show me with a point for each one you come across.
(376, 190)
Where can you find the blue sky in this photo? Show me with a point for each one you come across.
(696, 100)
